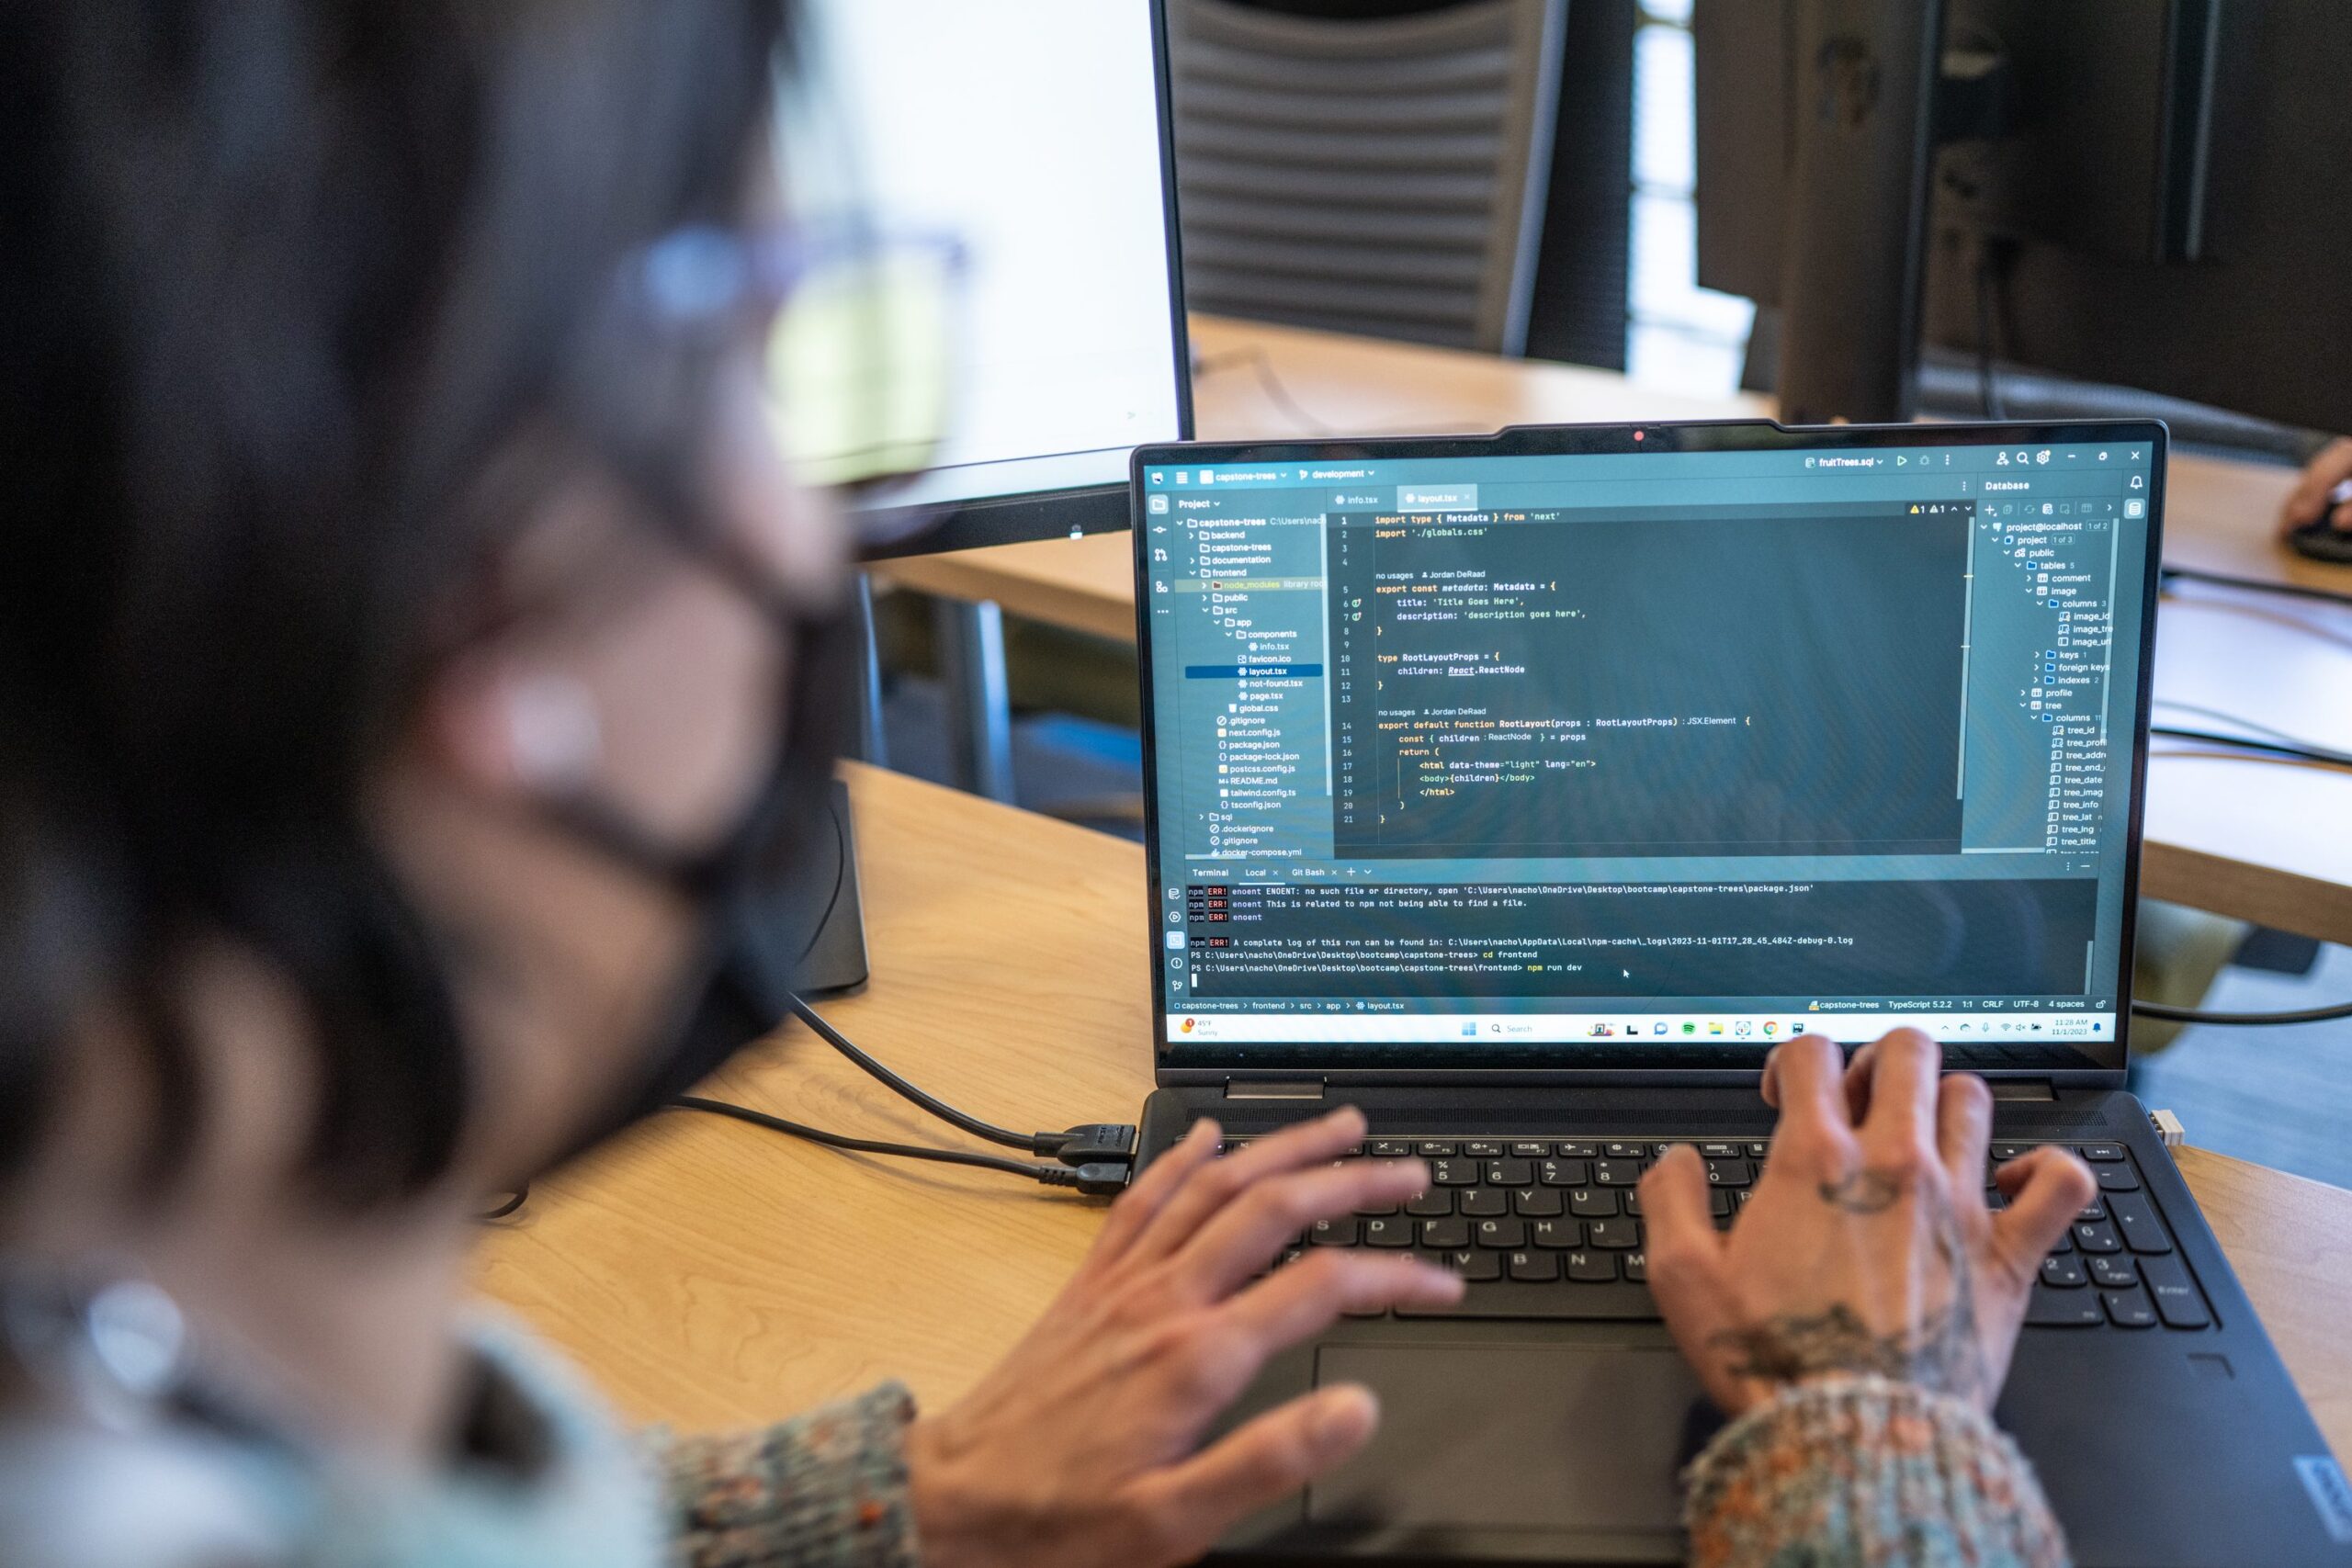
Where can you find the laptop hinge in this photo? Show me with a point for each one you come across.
(2022, 1088)
(1274, 1090)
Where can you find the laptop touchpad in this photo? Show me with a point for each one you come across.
(1515, 1437)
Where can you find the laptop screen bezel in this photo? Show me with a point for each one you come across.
(2092, 1062)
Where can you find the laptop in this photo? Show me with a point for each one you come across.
(1523, 790)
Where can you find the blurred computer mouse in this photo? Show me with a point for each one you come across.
(2322, 541)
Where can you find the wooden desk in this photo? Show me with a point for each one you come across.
(2225, 833)
(708, 1273)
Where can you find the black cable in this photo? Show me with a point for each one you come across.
(1089, 1143)
(2167, 575)
(2319, 754)
(2194, 1015)
(514, 1201)
(1100, 1179)
(899, 1085)
(1093, 1158)
(2233, 720)
(2285, 747)
(858, 1145)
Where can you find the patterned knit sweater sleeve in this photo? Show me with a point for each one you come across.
(1867, 1472)
(824, 1490)
(1848, 1472)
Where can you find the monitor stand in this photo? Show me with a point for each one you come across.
(807, 940)
(830, 959)
(834, 962)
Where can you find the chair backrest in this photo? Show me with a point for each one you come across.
(1379, 175)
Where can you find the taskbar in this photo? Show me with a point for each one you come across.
(1952, 1027)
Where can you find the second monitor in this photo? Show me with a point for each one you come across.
(2146, 195)
(1040, 144)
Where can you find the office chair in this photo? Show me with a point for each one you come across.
(1384, 176)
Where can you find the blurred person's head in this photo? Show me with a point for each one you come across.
(405, 618)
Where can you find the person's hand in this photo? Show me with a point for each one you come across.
(1084, 1447)
(2308, 502)
(1868, 1245)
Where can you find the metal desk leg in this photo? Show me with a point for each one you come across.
(979, 705)
(872, 744)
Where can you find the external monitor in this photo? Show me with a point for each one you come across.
(1036, 135)
(2142, 196)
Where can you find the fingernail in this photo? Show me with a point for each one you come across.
(1345, 1417)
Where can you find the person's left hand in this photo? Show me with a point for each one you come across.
(1868, 1246)
(1083, 1448)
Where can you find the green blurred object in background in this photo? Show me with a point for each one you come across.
(861, 361)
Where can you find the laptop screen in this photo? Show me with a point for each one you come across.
(1595, 747)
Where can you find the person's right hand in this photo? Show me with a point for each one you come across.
(1084, 1447)
(1868, 1245)
(2308, 502)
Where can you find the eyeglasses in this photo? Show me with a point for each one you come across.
(861, 330)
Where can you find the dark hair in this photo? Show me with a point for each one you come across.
(282, 278)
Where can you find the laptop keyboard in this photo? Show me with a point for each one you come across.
(1551, 1228)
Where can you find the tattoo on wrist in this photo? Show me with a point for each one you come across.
(1940, 1351)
